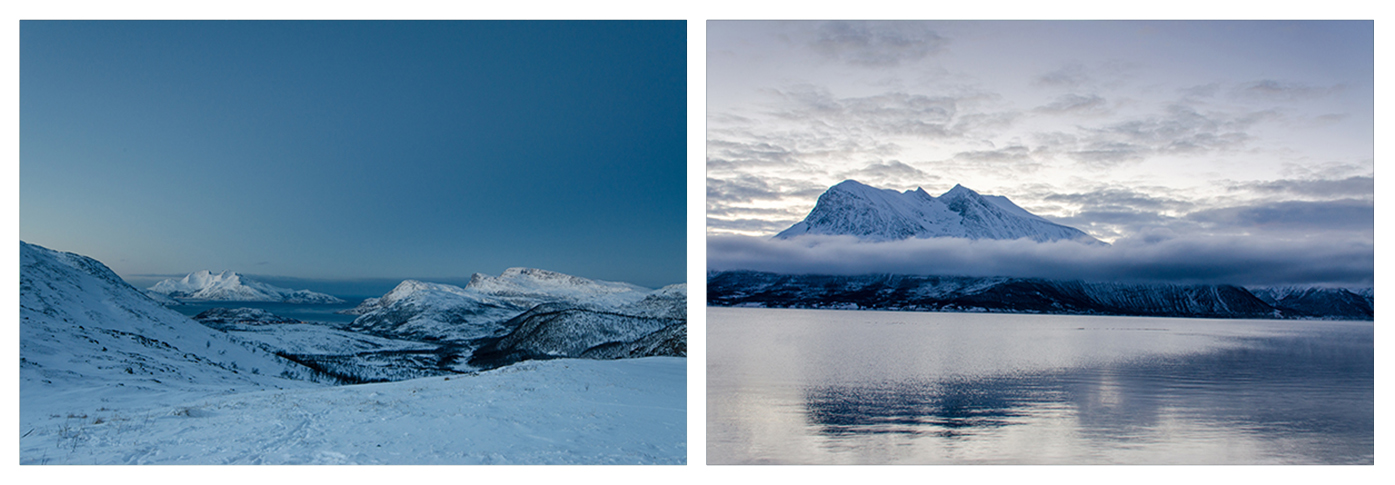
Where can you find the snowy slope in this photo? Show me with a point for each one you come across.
(669, 341)
(434, 311)
(230, 286)
(668, 302)
(1319, 302)
(86, 337)
(553, 412)
(554, 330)
(851, 208)
(110, 376)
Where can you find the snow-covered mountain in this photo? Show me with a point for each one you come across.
(656, 325)
(230, 286)
(1319, 302)
(86, 336)
(1018, 295)
(110, 376)
(851, 208)
(441, 312)
(554, 330)
(670, 341)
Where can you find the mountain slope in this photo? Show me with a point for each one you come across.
(853, 209)
(554, 330)
(87, 336)
(1319, 302)
(1017, 295)
(230, 286)
(440, 312)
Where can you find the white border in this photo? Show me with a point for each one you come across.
(696, 12)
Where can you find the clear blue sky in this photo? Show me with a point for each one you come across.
(345, 150)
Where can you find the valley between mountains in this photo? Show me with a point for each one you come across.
(527, 367)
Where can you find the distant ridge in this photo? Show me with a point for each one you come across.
(853, 209)
(230, 286)
(930, 293)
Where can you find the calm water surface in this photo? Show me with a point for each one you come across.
(302, 312)
(836, 387)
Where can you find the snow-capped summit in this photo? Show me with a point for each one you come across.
(230, 286)
(417, 309)
(533, 283)
(852, 208)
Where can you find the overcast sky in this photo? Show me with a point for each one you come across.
(353, 150)
(1203, 135)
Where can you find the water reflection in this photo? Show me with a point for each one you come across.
(1313, 389)
(945, 409)
(793, 386)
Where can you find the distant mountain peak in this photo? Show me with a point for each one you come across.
(231, 286)
(855, 209)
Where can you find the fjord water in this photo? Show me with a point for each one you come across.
(310, 313)
(851, 387)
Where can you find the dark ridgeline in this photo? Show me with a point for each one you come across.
(1026, 295)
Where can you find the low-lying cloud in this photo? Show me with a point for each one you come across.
(1183, 260)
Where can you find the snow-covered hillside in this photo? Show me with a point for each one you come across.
(555, 330)
(552, 412)
(440, 312)
(851, 208)
(88, 339)
(110, 376)
(230, 286)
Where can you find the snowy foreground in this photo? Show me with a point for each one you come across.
(538, 412)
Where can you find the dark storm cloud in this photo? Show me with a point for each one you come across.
(876, 44)
(1075, 104)
(1358, 187)
(1183, 260)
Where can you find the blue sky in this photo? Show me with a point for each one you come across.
(357, 150)
(1187, 144)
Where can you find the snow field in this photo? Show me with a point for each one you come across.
(538, 412)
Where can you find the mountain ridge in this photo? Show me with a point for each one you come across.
(869, 213)
(231, 286)
(1018, 295)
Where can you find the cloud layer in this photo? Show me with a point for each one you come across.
(1185, 260)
